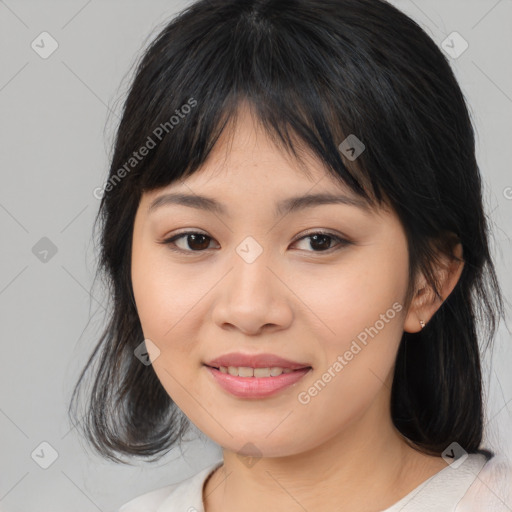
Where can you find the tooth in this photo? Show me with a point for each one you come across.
(262, 372)
(245, 371)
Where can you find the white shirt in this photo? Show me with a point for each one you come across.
(477, 485)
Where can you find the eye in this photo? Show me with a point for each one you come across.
(198, 242)
(321, 241)
(193, 241)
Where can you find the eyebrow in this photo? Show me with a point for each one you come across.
(283, 207)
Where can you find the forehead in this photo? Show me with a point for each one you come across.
(247, 163)
(245, 153)
(245, 149)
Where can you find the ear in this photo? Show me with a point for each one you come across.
(425, 302)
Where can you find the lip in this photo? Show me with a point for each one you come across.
(256, 387)
(255, 361)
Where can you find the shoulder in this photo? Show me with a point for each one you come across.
(491, 488)
(176, 496)
(150, 501)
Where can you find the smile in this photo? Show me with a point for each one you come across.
(247, 382)
(247, 371)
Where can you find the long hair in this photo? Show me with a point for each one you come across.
(314, 72)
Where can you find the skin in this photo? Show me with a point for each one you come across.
(294, 300)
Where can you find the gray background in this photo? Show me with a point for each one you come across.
(58, 117)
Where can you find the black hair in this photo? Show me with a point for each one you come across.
(314, 72)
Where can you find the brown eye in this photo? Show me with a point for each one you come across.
(190, 241)
(197, 241)
(323, 242)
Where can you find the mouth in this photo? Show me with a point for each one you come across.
(255, 383)
(240, 364)
(256, 372)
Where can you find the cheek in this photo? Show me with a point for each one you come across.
(165, 293)
(171, 302)
(361, 311)
(355, 294)
(168, 305)
(151, 291)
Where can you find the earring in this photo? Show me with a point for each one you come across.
(422, 323)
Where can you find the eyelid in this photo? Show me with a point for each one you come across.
(321, 231)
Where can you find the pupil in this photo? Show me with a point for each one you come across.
(325, 241)
(194, 238)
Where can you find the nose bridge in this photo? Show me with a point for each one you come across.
(252, 296)
(251, 276)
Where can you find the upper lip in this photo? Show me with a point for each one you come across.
(255, 361)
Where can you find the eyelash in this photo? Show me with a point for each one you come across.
(170, 242)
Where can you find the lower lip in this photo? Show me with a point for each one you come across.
(256, 387)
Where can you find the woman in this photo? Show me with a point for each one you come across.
(294, 237)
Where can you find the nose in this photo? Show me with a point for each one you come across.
(253, 297)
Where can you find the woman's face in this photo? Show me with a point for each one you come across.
(260, 281)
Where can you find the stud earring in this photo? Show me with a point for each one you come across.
(422, 323)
